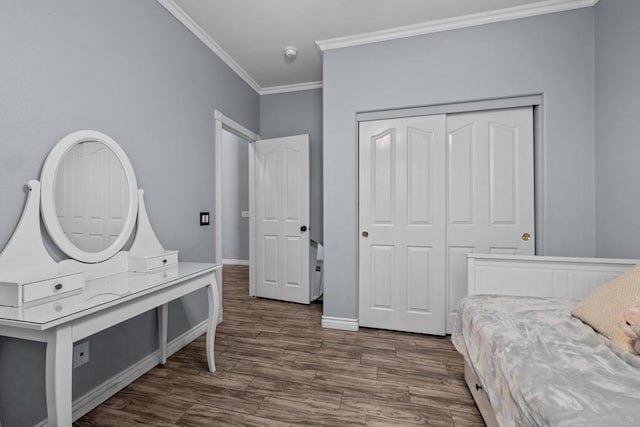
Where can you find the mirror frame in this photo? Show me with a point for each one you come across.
(48, 207)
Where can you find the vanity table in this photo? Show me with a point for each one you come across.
(89, 202)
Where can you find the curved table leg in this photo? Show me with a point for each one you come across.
(214, 313)
(58, 376)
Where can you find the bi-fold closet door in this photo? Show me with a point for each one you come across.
(431, 190)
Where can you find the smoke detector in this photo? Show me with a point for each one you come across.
(290, 52)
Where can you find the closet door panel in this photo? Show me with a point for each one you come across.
(421, 146)
(383, 175)
(402, 224)
(418, 267)
(503, 163)
(461, 175)
(493, 150)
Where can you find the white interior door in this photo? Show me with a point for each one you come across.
(282, 218)
(402, 224)
(490, 191)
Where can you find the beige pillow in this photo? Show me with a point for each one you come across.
(600, 308)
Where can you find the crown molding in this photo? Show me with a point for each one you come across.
(290, 88)
(517, 12)
(205, 38)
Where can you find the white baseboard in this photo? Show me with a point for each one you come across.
(342, 323)
(235, 261)
(185, 339)
(104, 391)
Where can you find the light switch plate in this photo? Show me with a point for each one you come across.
(204, 218)
(244, 214)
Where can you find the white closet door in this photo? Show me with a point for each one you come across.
(490, 191)
(282, 218)
(402, 224)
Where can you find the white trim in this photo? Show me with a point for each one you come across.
(205, 38)
(507, 14)
(224, 122)
(341, 323)
(456, 107)
(235, 261)
(235, 127)
(290, 88)
(113, 385)
(253, 285)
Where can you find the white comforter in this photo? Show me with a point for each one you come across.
(542, 367)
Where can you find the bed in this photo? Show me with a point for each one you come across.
(528, 362)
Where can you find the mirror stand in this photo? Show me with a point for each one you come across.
(27, 271)
(29, 275)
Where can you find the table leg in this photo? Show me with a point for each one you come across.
(163, 315)
(220, 305)
(214, 312)
(58, 376)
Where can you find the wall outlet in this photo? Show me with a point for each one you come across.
(244, 214)
(80, 354)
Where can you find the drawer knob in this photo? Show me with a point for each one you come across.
(58, 286)
(164, 261)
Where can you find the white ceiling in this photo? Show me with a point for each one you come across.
(250, 35)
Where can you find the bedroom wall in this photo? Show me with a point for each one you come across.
(129, 69)
(235, 197)
(552, 55)
(295, 113)
(617, 139)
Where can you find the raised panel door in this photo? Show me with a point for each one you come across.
(282, 218)
(402, 224)
(491, 199)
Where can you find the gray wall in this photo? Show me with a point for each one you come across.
(617, 138)
(235, 197)
(129, 69)
(296, 113)
(551, 55)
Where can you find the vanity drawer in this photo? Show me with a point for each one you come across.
(146, 264)
(52, 287)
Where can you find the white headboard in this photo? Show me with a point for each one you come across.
(541, 276)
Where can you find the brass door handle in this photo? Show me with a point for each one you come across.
(526, 236)
(365, 234)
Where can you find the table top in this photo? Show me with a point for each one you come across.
(100, 294)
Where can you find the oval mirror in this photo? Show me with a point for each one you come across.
(89, 196)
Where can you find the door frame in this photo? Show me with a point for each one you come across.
(223, 122)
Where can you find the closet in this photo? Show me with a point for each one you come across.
(431, 190)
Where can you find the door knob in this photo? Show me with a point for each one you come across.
(303, 228)
(365, 234)
(526, 236)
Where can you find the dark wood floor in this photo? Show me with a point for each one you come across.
(277, 366)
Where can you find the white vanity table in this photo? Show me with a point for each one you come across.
(61, 302)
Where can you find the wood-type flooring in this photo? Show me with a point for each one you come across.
(276, 366)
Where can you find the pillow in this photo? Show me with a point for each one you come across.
(600, 308)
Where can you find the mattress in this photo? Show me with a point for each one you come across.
(542, 367)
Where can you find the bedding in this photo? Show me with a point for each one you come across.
(542, 367)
